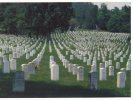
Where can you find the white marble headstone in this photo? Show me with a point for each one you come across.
(117, 65)
(102, 73)
(54, 72)
(80, 73)
(128, 65)
(74, 69)
(110, 62)
(24, 68)
(111, 70)
(13, 64)
(6, 67)
(120, 80)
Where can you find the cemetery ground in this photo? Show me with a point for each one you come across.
(40, 84)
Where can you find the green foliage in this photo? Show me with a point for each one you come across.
(73, 23)
(103, 17)
(86, 14)
(89, 16)
(44, 18)
(120, 20)
(38, 18)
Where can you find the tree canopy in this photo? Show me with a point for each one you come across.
(89, 16)
(37, 18)
(44, 18)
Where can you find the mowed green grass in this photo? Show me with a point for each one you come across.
(40, 85)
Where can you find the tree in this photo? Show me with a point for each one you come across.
(126, 19)
(114, 23)
(103, 17)
(120, 20)
(44, 18)
(86, 14)
(35, 18)
(73, 23)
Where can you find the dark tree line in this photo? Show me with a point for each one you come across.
(34, 18)
(85, 14)
(44, 18)
(89, 16)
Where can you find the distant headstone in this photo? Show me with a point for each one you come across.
(80, 57)
(111, 70)
(110, 55)
(110, 62)
(84, 59)
(10, 56)
(88, 61)
(121, 59)
(31, 68)
(98, 58)
(15, 55)
(51, 58)
(103, 59)
(102, 73)
(13, 64)
(66, 64)
(70, 67)
(31, 53)
(6, 67)
(24, 67)
(66, 52)
(4, 58)
(74, 69)
(106, 63)
(80, 73)
(94, 62)
(117, 65)
(93, 68)
(1, 60)
(18, 82)
(128, 65)
(93, 80)
(101, 65)
(71, 57)
(27, 55)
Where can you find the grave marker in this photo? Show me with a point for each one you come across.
(111, 70)
(80, 73)
(102, 73)
(93, 80)
(6, 67)
(13, 64)
(117, 65)
(18, 82)
(120, 80)
(54, 72)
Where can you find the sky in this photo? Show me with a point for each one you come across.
(111, 5)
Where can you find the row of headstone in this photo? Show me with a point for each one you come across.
(72, 68)
(50, 48)
(54, 69)
(18, 50)
(30, 68)
(8, 66)
(111, 48)
(103, 57)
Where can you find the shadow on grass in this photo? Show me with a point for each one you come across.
(36, 89)
(42, 89)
